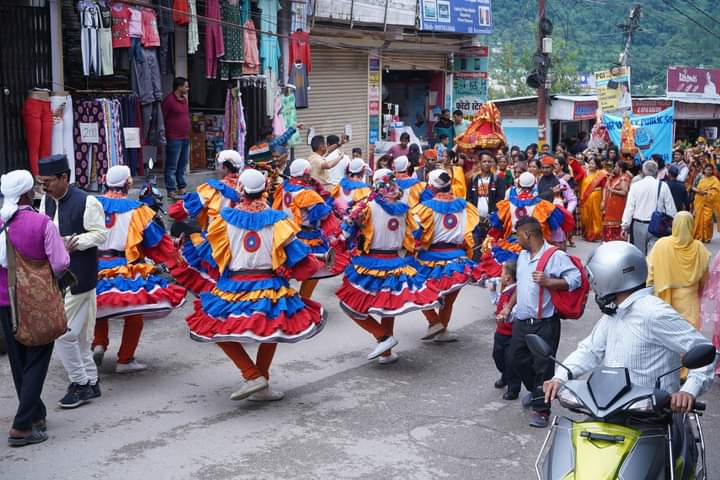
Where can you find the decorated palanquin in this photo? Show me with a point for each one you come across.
(485, 130)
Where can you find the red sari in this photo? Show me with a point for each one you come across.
(614, 205)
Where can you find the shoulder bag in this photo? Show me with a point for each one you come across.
(660, 222)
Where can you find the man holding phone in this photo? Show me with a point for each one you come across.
(320, 164)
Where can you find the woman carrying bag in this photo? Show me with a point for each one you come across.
(31, 252)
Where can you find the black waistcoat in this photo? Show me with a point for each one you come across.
(84, 264)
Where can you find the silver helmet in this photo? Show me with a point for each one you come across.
(615, 267)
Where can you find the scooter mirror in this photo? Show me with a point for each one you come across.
(697, 357)
(538, 346)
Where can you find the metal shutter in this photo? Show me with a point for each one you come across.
(337, 96)
(414, 60)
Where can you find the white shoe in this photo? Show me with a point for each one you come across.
(132, 367)
(445, 337)
(389, 360)
(382, 347)
(98, 354)
(433, 330)
(267, 395)
(250, 387)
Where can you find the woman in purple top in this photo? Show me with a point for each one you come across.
(34, 237)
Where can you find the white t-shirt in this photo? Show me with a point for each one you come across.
(338, 171)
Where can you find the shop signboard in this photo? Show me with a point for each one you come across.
(470, 79)
(374, 79)
(648, 107)
(396, 12)
(653, 133)
(584, 110)
(693, 82)
(613, 89)
(456, 16)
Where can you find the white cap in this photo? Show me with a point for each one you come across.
(252, 181)
(381, 173)
(117, 176)
(356, 165)
(231, 156)
(527, 180)
(439, 178)
(401, 163)
(299, 167)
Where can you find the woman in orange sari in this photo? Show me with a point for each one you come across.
(591, 193)
(707, 195)
(613, 202)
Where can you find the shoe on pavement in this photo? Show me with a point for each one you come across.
(250, 387)
(499, 383)
(388, 360)
(96, 393)
(76, 395)
(433, 330)
(99, 354)
(445, 337)
(267, 395)
(510, 395)
(35, 436)
(540, 419)
(527, 400)
(382, 347)
(131, 367)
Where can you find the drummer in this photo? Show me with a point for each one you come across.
(320, 229)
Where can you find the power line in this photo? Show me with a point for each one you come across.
(692, 4)
(669, 4)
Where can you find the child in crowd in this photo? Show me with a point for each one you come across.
(442, 145)
(501, 290)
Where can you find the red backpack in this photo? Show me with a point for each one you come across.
(569, 305)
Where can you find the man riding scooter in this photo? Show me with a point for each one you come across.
(638, 331)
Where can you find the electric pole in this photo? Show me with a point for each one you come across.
(541, 92)
(632, 23)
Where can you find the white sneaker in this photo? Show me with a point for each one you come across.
(382, 347)
(98, 354)
(445, 337)
(267, 395)
(250, 387)
(389, 360)
(132, 367)
(433, 330)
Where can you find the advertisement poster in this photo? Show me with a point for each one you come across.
(693, 82)
(373, 99)
(470, 79)
(456, 16)
(653, 133)
(613, 89)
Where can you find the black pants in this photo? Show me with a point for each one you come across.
(503, 362)
(29, 367)
(532, 370)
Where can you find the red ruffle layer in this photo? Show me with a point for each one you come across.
(445, 284)
(173, 294)
(258, 324)
(488, 267)
(362, 302)
(191, 279)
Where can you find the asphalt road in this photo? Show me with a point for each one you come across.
(434, 414)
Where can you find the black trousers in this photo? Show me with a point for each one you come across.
(503, 362)
(29, 367)
(532, 370)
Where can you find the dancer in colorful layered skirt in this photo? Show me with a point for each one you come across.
(500, 245)
(256, 251)
(352, 187)
(379, 281)
(411, 187)
(443, 228)
(197, 271)
(319, 227)
(128, 287)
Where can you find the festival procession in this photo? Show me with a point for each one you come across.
(236, 242)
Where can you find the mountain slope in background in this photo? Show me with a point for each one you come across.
(586, 39)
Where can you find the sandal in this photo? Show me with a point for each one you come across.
(36, 436)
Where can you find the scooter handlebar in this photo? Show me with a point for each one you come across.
(699, 406)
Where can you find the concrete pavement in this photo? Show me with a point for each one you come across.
(434, 414)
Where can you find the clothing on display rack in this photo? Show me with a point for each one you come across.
(251, 56)
(150, 34)
(37, 119)
(193, 33)
(269, 45)
(298, 16)
(289, 115)
(235, 126)
(120, 25)
(278, 122)
(136, 22)
(272, 90)
(300, 49)
(181, 8)
(166, 30)
(90, 25)
(214, 43)
(105, 43)
(147, 85)
(165, 16)
(252, 97)
(62, 142)
(91, 161)
(231, 62)
(299, 78)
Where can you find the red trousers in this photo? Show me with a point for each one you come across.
(444, 313)
(37, 118)
(384, 328)
(130, 336)
(250, 370)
